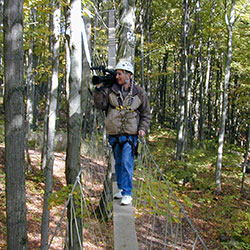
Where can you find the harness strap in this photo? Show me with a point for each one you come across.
(121, 144)
(128, 108)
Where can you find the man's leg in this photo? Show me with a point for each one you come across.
(118, 159)
(127, 165)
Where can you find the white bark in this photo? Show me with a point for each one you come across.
(142, 47)
(51, 126)
(126, 46)
(75, 111)
(230, 23)
(111, 44)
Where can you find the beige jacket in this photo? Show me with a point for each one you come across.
(124, 115)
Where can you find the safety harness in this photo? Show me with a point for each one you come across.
(126, 109)
(121, 144)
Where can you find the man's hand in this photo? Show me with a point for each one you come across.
(141, 133)
(99, 85)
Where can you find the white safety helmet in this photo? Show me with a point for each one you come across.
(125, 65)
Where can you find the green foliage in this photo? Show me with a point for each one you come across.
(155, 196)
(193, 177)
(81, 204)
(207, 29)
(198, 192)
(60, 197)
(238, 219)
(35, 178)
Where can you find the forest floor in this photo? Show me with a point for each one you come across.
(34, 197)
(223, 220)
(34, 203)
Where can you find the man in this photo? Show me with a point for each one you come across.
(128, 116)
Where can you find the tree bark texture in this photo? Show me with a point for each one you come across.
(51, 125)
(180, 146)
(230, 23)
(142, 46)
(126, 36)
(14, 125)
(201, 97)
(30, 80)
(245, 161)
(86, 78)
(148, 83)
(74, 111)
(111, 37)
(1, 47)
(46, 117)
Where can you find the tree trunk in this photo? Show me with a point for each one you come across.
(30, 83)
(148, 83)
(14, 125)
(67, 49)
(218, 91)
(163, 89)
(210, 118)
(191, 115)
(202, 98)
(230, 23)
(142, 46)
(47, 103)
(51, 126)
(30, 90)
(209, 86)
(1, 47)
(207, 81)
(74, 115)
(86, 78)
(183, 81)
(233, 116)
(111, 37)
(126, 37)
(245, 161)
(30, 80)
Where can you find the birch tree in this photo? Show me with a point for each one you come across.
(126, 36)
(230, 20)
(14, 125)
(74, 113)
(51, 125)
(30, 79)
(142, 10)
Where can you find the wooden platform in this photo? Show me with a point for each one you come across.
(124, 224)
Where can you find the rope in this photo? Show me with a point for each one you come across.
(158, 207)
(161, 220)
(89, 182)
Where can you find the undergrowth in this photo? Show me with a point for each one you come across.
(225, 216)
(223, 220)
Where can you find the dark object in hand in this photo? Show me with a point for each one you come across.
(108, 78)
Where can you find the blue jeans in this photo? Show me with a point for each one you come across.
(124, 160)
